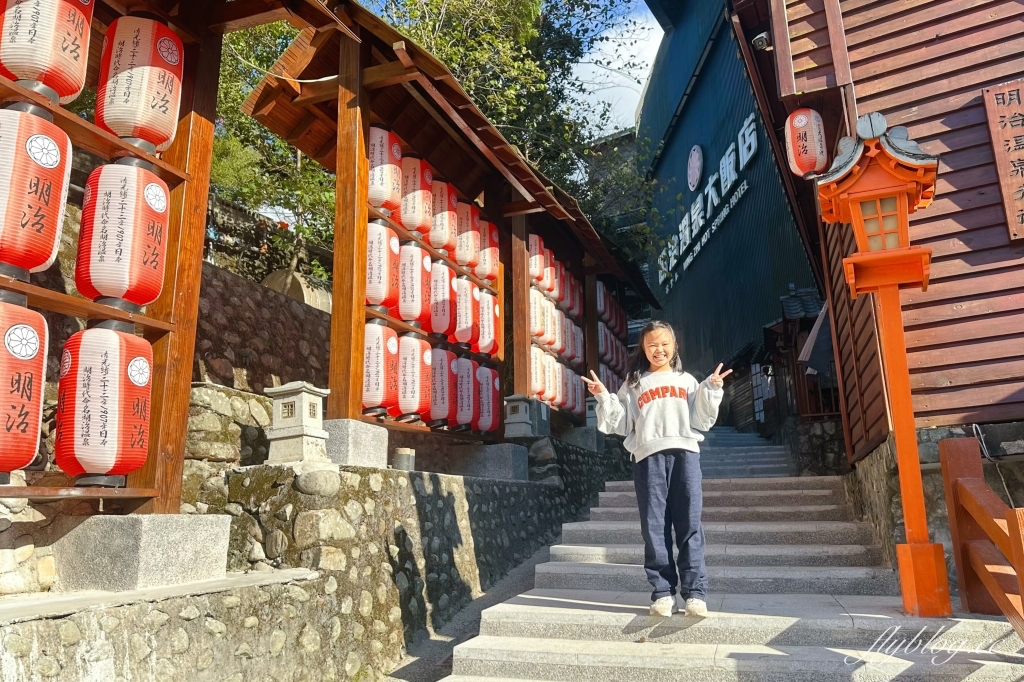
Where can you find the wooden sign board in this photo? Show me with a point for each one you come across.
(1004, 110)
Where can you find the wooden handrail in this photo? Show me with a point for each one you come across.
(988, 542)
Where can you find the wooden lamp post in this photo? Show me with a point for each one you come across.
(874, 184)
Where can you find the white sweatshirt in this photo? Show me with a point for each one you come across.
(660, 413)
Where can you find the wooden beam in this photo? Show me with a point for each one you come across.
(320, 91)
(781, 47)
(191, 151)
(239, 15)
(837, 42)
(517, 208)
(520, 305)
(345, 378)
(402, 54)
(590, 319)
(300, 130)
(385, 75)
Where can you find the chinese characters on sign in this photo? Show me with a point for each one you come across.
(1005, 113)
(709, 208)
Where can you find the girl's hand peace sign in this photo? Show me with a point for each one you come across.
(717, 378)
(594, 386)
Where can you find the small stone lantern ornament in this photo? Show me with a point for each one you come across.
(874, 183)
(297, 431)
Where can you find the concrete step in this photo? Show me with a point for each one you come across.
(834, 483)
(728, 533)
(738, 498)
(818, 512)
(739, 451)
(822, 620)
(732, 555)
(567, 575)
(489, 657)
(744, 472)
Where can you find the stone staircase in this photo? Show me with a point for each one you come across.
(798, 591)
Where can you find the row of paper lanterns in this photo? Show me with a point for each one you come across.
(407, 379)
(556, 384)
(105, 371)
(429, 206)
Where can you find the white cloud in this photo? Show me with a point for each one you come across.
(620, 92)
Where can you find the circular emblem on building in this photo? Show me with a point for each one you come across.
(392, 345)
(155, 197)
(800, 120)
(138, 371)
(453, 199)
(455, 366)
(168, 50)
(65, 363)
(396, 151)
(694, 167)
(394, 245)
(428, 177)
(22, 342)
(426, 358)
(43, 150)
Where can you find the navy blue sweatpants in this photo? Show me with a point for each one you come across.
(668, 492)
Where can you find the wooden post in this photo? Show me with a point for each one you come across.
(520, 306)
(350, 230)
(191, 151)
(590, 320)
(961, 458)
(922, 564)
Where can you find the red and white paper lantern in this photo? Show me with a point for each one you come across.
(536, 371)
(558, 374)
(444, 387)
(123, 241)
(551, 386)
(467, 250)
(467, 312)
(140, 81)
(490, 400)
(577, 308)
(568, 333)
(34, 179)
(23, 373)
(415, 284)
(385, 190)
(536, 313)
(805, 143)
(442, 299)
(578, 337)
(380, 369)
(468, 392)
(547, 284)
(548, 337)
(47, 41)
(383, 265)
(558, 330)
(487, 264)
(444, 230)
(581, 398)
(570, 393)
(414, 375)
(561, 287)
(490, 325)
(417, 194)
(602, 301)
(103, 403)
(536, 247)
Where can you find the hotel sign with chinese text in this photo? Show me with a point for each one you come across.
(1005, 113)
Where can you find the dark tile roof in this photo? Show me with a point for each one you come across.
(801, 304)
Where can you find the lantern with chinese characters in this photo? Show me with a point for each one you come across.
(547, 284)
(548, 337)
(602, 300)
(569, 351)
(536, 371)
(577, 308)
(602, 340)
(536, 313)
(558, 375)
(467, 249)
(487, 264)
(561, 290)
(47, 42)
(443, 315)
(140, 81)
(380, 368)
(103, 405)
(568, 289)
(23, 372)
(578, 336)
(490, 325)
(383, 265)
(805, 143)
(468, 394)
(414, 284)
(551, 386)
(581, 398)
(570, 379)
(536, 247)
(467, 313)
(122, 243)
(490, 400)
(33, 189)
(414, 374)
(444, 387)
(444, 231)
(558, 330)
(385, 152)
(417, 194)
(556, 279)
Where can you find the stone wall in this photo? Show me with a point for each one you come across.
(873, 489)
(819, 446)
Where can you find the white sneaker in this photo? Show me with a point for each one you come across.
(663, 607)
(696, 607)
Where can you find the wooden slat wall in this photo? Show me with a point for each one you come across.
(857, 350)
(810, 46)
(923, 64)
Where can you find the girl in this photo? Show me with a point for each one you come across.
(657, 410)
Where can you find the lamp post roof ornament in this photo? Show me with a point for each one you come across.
(892, 148)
